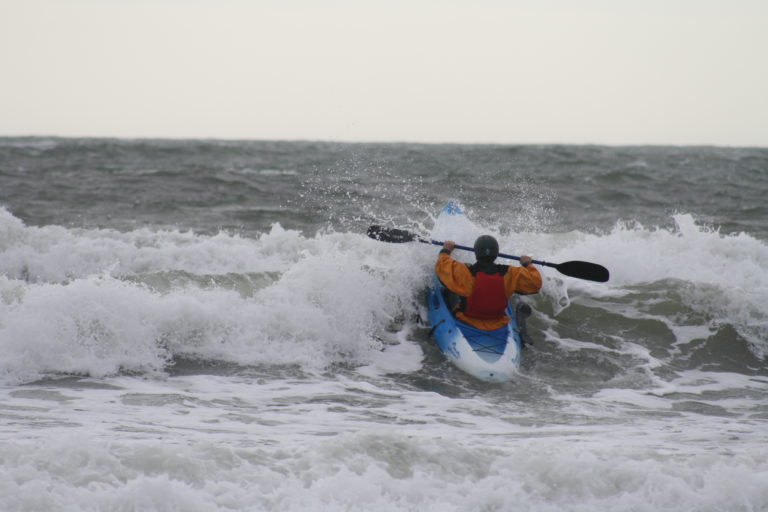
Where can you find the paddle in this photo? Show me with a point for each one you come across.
(578, 269)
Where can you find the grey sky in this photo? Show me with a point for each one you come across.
(612, 72)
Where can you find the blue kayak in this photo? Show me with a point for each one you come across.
(492, 356)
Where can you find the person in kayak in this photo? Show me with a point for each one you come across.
(485, 286)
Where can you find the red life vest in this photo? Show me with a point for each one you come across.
(488, 299)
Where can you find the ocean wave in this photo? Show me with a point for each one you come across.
(101, 302)
(382, 471)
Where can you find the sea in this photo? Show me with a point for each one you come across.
(203, 325)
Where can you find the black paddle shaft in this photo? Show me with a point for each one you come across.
(578, 269)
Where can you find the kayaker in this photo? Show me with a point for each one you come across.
(485, 286)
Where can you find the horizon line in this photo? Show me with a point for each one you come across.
(383, 142)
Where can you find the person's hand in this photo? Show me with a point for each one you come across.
(525, 260)
(449, 245)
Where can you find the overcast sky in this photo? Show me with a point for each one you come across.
(558, 71)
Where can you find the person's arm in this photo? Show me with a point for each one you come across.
(525, 279)
(454, 275)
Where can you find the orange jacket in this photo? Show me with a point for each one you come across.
(457, 278)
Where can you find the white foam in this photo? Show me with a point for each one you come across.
(72, 299)
(56, 254)
(381, 470)
(332, 296)
(727, 275)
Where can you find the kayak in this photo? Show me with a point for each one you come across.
(492, 356)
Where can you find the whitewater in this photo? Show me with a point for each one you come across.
(204, 326)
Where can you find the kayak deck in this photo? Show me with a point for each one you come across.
(489, 345)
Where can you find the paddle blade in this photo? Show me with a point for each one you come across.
(584, 270)
(392, 235)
